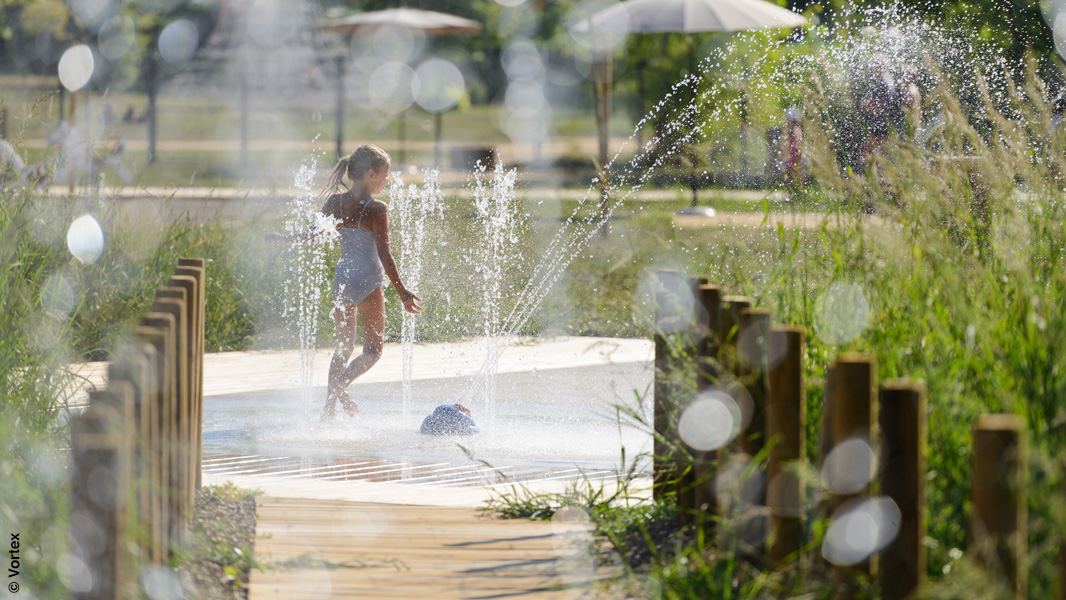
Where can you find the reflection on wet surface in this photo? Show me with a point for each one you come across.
(552, 424)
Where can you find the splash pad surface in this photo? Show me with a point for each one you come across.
(555, 415)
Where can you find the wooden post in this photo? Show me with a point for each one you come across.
(100, 478)
(197, 268)
(728, 320)
(667, 377)
(998, 523)
(825, 433)
(854, 405)
(903, 480)
(786, 417)
(705, 463)
(192, 284)
(158, 330)
(161, 437)
(852, 415)
(130, 367)
(180, 359)
(660, 421)
(709, 297)
(753, 333)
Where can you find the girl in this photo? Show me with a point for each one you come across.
(363, 224)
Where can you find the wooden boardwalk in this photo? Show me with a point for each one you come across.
(337, 549)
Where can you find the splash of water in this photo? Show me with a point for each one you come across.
(414, 207)
(498, 217)
(306, 280)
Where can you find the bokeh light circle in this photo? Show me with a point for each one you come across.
(57, 296)
(178, 41)
(860, 528)
(74, 574)
(92, 13)
(85, 239)
(525, 95)
(116, 37)
(393, 87)
(521, 61)
(76, 67)
(711, 421)
(1058, 32)
(440, 85)
(607, 36)
(161, 583)
(398, 43)
(849, 466)
(841, 313)
(738, 487)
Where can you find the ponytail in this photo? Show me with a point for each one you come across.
(365, 158)
(335, 179)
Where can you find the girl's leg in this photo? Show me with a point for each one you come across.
(345, 317)
(372, 311)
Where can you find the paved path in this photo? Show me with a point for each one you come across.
(318, 549)
(228, 373)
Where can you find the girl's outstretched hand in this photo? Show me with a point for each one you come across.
(410, 302)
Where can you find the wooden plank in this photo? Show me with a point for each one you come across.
(338, 549)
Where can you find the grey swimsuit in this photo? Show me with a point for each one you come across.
(359, 271)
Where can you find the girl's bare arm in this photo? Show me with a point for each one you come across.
(379, 226)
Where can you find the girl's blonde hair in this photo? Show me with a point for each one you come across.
(367, 157)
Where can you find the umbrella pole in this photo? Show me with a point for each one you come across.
(603, 118)
(340, 107)
(438, 125)
(403, 137)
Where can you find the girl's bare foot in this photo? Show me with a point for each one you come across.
(339, 394)
(349, 406)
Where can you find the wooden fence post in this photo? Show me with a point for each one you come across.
(786, 417)
(131, 367)
(158, 330)
(728, 318)
(998, 523)
(852, 415)
(662, 468)
(180, 289)
(183, 443)
(854, 405)
(753, 334)
(99, 501)
(197, 268)
(705, 463)
(903, 480)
